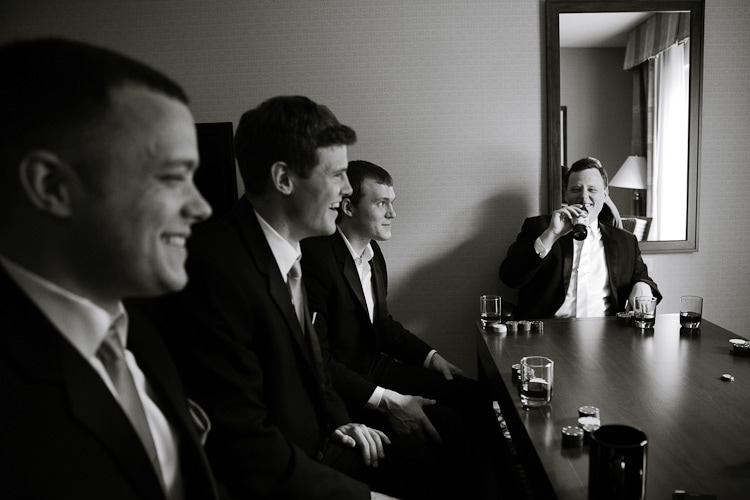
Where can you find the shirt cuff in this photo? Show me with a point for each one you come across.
(428, 359)
(375, 397)
(540, 249)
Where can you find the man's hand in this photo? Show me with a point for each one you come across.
(440, 365)
(406, 416)
(640, 289)
(560, 224)
(370, 441)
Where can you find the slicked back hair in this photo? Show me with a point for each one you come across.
(287, 129)
(585, 164)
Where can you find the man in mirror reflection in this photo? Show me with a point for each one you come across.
(389, 377)
(562, 277)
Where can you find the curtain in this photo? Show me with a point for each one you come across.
(655, 35)
(669, 92)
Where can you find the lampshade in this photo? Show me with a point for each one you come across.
(632, 174)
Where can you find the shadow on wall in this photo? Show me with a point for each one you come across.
(439, 300)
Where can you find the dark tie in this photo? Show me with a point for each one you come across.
(112, 356)
(294, 281)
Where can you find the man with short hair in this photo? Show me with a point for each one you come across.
(97, 156)
(389, 377)
(248, 350)
(559, 276)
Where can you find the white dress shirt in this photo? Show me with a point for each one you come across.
(588, 293)
(85, 325)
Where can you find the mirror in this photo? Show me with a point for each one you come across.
(596, 107)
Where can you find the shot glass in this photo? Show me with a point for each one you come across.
(537, 377)
(644, 315)
(691, 311)
(489, 309)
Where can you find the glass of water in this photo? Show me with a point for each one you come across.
(537, 376)
(489, 309)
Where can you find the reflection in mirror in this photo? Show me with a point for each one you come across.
(627, 74)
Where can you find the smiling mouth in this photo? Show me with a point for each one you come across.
(175, 240)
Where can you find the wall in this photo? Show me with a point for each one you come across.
(449, 97)
(599, 96)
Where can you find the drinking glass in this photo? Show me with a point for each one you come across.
(691, 311)
(537, 375)
(644, 315)
(617, 463)
(489, 309)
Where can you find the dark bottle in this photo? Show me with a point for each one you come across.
(580, 225)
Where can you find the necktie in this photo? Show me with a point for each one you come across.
(582, 289)
(112, 355)
(294, 281)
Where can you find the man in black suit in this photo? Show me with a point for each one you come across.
(252, 359)
(559, 276)
(97, 155)
(388, 376)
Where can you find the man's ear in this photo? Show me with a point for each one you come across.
(45, 180)
(347, 207)
(280, 177)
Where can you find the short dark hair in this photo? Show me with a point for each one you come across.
(358, 171)
(52, 89)
(585, 164)
(290, 129)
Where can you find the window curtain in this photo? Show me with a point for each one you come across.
(658, 53)
(668, 169)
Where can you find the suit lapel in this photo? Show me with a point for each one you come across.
(349, 269)
(261, 253)
(378, 284)
(43, 354)
(93, 406)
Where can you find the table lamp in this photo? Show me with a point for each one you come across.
(632, 175)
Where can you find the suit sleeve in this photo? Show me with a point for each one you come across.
(224, 373)
(398, 341)
(522, 262)
(640, 272)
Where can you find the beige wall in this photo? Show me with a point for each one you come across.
(449, 97)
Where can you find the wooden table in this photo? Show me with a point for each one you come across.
(665, 381)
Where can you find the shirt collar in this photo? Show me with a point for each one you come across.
(596, 233)
(367, 253)
(81, 322)
(283, 252)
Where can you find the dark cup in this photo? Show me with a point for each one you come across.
(617, 466)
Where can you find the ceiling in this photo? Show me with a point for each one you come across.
(599, 29)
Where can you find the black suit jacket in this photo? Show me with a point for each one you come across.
(544, 282)
(62, 433)
(244, 358)
(342, 320)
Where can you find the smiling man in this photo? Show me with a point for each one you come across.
(247, 348)
(562, 277)
(97, 156)
(388, 376)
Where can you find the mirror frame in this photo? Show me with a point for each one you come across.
(696, 9)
